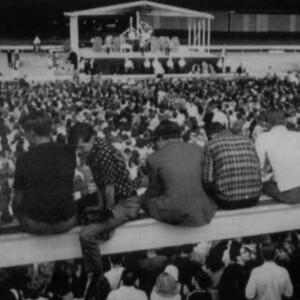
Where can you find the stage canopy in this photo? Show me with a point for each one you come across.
(198, 22)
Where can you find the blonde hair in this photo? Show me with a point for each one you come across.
(166, 284)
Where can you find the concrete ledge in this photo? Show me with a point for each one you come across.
(267, 217)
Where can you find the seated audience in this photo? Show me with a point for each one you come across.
(43, 184)
(278, 151)
(231, 171)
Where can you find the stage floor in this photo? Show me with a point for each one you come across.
(184, 51)
(113, 63)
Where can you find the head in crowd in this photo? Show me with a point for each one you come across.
(35, 288)
(37, 127)
(234, 251)
(173, 271)
(82, 136)
(166, 284)
(165, 131)
(275, 117)
(116, 259)
(129, 278)
(201, 280)
(214, 129)
(245, 254)
(268, 252)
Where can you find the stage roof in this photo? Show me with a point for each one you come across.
(144, 7)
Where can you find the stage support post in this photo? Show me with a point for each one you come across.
(199, 33)
(138, 24)
(189, 24)
(208, 35)
(203, 34)
(195, 32)
(74, 34)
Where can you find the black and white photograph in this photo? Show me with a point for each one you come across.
(149, 150)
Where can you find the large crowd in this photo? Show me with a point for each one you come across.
(126, 114)
(206, 271)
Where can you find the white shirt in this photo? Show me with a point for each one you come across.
(220, 117)
(114, 276)
(280, 149)
(269, 282)
(127, 293)
(155, 296)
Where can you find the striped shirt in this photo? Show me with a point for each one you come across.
(232, 167)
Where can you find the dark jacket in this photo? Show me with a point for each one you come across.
(175, 194)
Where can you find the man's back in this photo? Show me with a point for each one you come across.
(231, 163)
(176, 185)
(269, 282)
(127, 293)
(45, 176)
(280, 147)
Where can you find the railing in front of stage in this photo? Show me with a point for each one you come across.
(264, 218)
(213, 48)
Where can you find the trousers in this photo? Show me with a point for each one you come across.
(291, 196)
(40, 228)
(125, 210)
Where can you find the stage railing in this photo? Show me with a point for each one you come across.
(255, 48)
(266, 217)
(213, 48)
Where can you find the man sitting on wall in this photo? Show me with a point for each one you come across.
(279, 152)
(117, 198)
(231, 168)
(175, 194)
(43, 200)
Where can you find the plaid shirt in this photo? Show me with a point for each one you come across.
(231, 167)
(108, 168)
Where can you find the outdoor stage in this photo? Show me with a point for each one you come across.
(114, 62)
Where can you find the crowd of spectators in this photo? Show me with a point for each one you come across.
(206, 271)
(126, 114)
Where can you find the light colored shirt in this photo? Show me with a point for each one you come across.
(156, 296)
(127, 293)
(279, 149)
(114, 276)
(269, 282)
(220, 117)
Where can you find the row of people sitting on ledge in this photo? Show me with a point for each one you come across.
(186, 185)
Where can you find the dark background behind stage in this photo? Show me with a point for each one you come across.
(22, 19)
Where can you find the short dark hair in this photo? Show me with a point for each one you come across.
(129, 278)
(202, 278)
(234, 250)
(39, 122)
(167, 130)
(78, 131)
(268, 252)
(117, 259)
(214, 127)
(275, 117)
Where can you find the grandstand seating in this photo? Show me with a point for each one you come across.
(266, 217)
